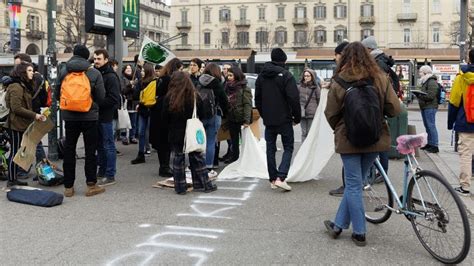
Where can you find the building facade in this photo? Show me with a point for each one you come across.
(262, 25)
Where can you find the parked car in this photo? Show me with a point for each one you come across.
(251, 78)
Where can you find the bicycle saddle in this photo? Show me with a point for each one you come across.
(408, 143)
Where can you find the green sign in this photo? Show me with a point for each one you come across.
(131, 18)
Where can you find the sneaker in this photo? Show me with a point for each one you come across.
(338, 192)
(212, 174)
(359, 240)
(210, 187)
(282, 184)
(69, 192)
(462, 192)
(334, 233)
(272, 185)
(16, 183)
(94, 190)
(106, 182)
(148, 153)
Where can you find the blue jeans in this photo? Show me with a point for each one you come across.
(288, 140)
(211, 126)
(133, 121)
(429, 121)
(351, 208)
(106, 152)
(143, 125)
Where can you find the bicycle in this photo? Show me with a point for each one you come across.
(435, 211)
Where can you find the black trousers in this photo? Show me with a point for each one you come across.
(90, 133)
(15, 141)
(235, 133)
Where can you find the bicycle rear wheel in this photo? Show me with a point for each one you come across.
(376, 196)
(443, 229)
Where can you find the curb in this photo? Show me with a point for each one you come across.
(452, 178)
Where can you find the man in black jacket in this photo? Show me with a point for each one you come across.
(278, 101)
(107, 154)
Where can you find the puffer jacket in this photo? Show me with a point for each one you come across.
(456, 112)
(430, 100)
(240, 107)
(334, 112)
(307, 90)
(19, 100)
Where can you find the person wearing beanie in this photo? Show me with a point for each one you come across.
(338, 50)
(429, 106)
(81, 122)
(278, 102)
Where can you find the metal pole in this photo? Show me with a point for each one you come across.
(52, 75)
(462, 33)
(115, 38)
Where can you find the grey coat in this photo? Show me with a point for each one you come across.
(306, 90)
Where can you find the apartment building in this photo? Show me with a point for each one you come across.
(262, 25)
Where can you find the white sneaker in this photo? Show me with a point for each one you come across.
(283, 185)
(188, 173)
(212, 174)
(272, 185)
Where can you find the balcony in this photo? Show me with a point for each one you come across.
(407, 45)
(300, 21)
(183, 25)
(300, 44)
(407, 17)
(35, 34)
(183, 47)
(241, 46)
(242, 23)
(366, 20)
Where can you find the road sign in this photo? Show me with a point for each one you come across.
(131, 18)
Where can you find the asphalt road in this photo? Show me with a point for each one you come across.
(244, 222)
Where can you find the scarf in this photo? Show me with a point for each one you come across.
(232, 87)
(425, 78)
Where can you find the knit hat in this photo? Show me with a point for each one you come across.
(426, 69)
(278, 55)
(340, 47)
(370, 43)
(82, 51)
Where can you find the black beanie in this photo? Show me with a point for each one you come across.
(278, 55)
(82, 51)
(340, 47)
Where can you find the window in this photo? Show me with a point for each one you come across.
(300, 36)
(33, 22)
(184, 16)
(406, 36)
(280, 36)
(224, 15)
(261, 13)
(242, 38)
(207, 16)
(406, 6)
(320, 36)
(300, 12)
(366, 33)
(262, 36)
(225, 37)
(207, 38)
(340, 11)
(366, 10)
(243, 14)
(319, 12)
(340, 34)
(436, 35)
(7, 19)
(154, 21)
(281, 12)
(436, 6)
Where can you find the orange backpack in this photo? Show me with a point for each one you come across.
(469, 104)
(76, 93)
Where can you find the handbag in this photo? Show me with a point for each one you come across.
(123, 120)
(303, 110)
(195, 135)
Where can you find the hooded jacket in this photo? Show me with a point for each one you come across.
(108, 107)
(457, 98)
(208, 81)
(334, 112)
(276, 96)
(18, 99)
(430, 100)
(240, 102)
(79, 64)
(307, 90)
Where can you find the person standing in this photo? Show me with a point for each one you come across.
(178, 107)
(429, 106)
(106, 151)
(458, 120)
(82, 122)
(357, 65)
(19, 100)
(278, 102)
(194, 67)
(128, 92)
(310, 93)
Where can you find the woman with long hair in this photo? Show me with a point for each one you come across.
(143, 113)
(310, 93)
(356, 65)
(240, 107)
(19, 100)
(178, 107)
(128, 91)
(159, 129)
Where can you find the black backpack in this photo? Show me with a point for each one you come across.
(362, 114)
(208, 102)
(386, 62)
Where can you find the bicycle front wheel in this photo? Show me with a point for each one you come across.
(441, 223)
(377, 198)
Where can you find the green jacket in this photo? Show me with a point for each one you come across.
(430, 100)
(19, 100)
(241, 112)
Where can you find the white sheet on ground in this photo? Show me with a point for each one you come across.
(252, 161)
(317, 148)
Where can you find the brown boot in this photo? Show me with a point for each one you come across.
(93, 189)
(69, 192)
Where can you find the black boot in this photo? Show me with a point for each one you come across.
(140, 158)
